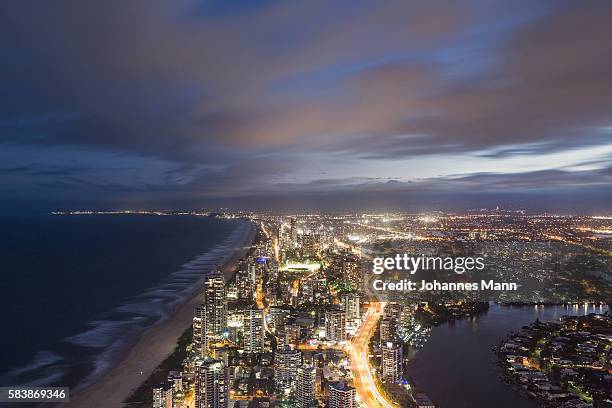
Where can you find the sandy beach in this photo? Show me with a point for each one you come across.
(152, 347)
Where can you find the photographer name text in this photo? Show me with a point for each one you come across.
(410, 285)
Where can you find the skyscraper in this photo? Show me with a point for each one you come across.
(350, 302)
(215, 303)
(253, 331)
(200, 338)
(286, 364)
(392, 362)
(244, 284)
(293, 231)
(162, 396)
(211, 385)
(335, 325)
(341, 395)
(305, 386)
(252, 273)
(388, 330)
(309, 247)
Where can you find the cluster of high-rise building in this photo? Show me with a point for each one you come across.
(283, 329)
(209, 328)
(275, 330)
(165, 392)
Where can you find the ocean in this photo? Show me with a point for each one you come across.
(77, 290)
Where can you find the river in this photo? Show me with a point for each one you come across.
(457, 367)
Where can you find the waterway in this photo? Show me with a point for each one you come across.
(457, 368)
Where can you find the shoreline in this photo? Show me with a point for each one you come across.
(152, 347)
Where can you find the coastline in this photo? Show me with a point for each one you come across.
(151, 348)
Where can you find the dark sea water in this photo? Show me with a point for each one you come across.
(75, 291)
(457, 367)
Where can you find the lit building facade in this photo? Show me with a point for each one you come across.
(162, 396)
(341, 395)
(253, 336)
(215, 302)
(388, 331)
(393, 310)
(305, 387)
(350, 303)
(286, 364)
(335, 325)
(211, 385)
(392, 362)
(200, 338)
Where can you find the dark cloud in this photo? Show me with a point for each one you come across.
(539, 181)
(151, 77)
(551, 90)
(222, 100)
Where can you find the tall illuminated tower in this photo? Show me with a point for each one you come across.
(388, 330)
(211, 385)
(335, 325)
(350, 302)
(253, 331)
(293, 231)
(200, 338)
(215, 302)
(391, 363)
(305, 386)
(286, 364)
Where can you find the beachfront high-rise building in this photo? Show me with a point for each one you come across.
(252, 273)
(253, 336)
(286, 363)
(200, 338)
(162, 396)
(175, 379)
(335, 325)
(305, 386)
(215, 302)
(392, 362)
(211, 385)
(341, 395)
(350, 303)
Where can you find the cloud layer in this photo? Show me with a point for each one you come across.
(208, 99)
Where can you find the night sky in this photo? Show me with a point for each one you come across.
(306, 104)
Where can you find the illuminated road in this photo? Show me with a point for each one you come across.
(368, 392)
